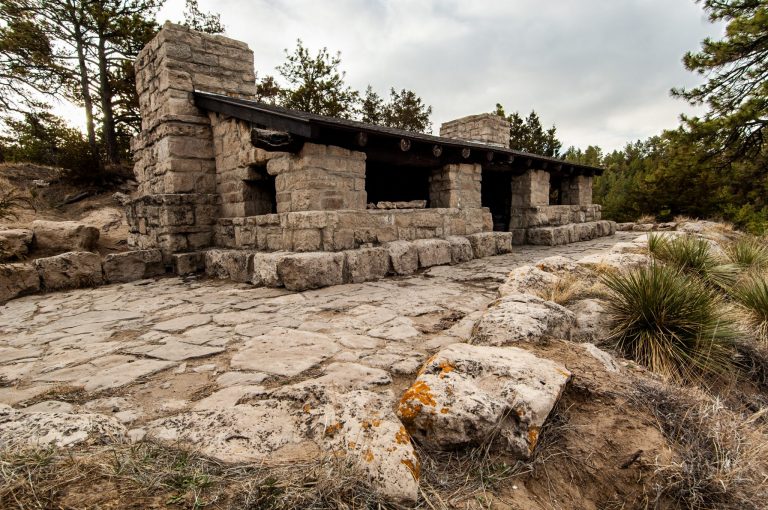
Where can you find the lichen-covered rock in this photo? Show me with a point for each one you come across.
(461, 249)
(20, 428)
(557, 264)
(468, 395)
(17, 280)
(14, 243)
(303, 271)
(265, 269)
(483, 244)
(404, 257)
(366, 264)
(615, 260)
(433, 252)
(503, 242)
(133, 265)
(526, 280)
(523, 318)
(64, 235)
(235, 265)
(70, 270)
(592, 320)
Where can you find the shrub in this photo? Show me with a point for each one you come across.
(749, 253)
(669, 321)
(10, 201)
(693, 254)
(752, 298)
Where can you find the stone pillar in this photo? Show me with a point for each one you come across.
(486, 128)
(576, 190)
(530, 189)
(456, 186)
(174, 153)
(320, 178)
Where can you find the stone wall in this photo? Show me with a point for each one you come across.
(456, 186)
(550, 215)
(174, 152)
(576, 190)
(486, 128)
(345, 230)
(530, 189)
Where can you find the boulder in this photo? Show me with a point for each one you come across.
(557, 264)
(523, 318)
(527, 280)
(188, 263)
(17, 280)
(14, 243)
(265, 269)
(20, 428)
(592, 320)
(366, 264)
(550, 236)
(70, 270)
(614, 260)
(483, 244)
(302, 271)
(625, 227)
(468, 395)
(235, 265)
(461, 249)
(433, 252)
(64, 235)
(133, 265)
(404, 257)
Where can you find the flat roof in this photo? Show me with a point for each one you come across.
(382, 142)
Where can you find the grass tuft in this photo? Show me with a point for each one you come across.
(751, 295)
(749, 253)
(693, 254)
(11, 200)
(669, 322)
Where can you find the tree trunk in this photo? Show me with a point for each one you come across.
(87, 100)
(108, 117)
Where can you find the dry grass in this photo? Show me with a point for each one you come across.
(681, 218)
(645, 219)
(572, 288)
(722, 458)
(148, 475)
(11, 200)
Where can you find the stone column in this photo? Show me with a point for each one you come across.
(485, 128)
(577, 190)
(320, 178)
(530, 189)
(175, 167)
(456, 186)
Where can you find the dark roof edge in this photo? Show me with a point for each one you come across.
(305, 124)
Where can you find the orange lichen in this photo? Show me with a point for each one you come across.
(307, 408)
(426, 364)
(352, 445)
(445, 369)
(402, 436)
(331, 429)
(444, 410)
(413, 467)
(533, 437)
(368, 456)
(414, 399)
(376, 422)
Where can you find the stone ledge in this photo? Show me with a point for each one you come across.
(570, 233)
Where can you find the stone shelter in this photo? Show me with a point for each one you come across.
(232, 185)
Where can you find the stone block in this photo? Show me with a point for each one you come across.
(503, 242)
(14, 243)
(188, 263)
(17, 280)
(433, 252)
(483, 244)
(70, 270)
(64, 235)
(265, 273)
(236, 265)
(404, 257)
(303, 271)
(366, 264)
(461, 249)
(518, 236)
(133, 265)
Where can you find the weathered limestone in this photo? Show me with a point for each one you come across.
(70, 270)
(520, 317)
(433, 252)
(265, 271)
(14, 243)
(302, 271)
(64, 235)
(29, 429)
(571, 233)
(404, 257)
(461, 249)
(236, 265)
(483, 244)
(133, 265)
(526, 280)
(486, 128)
(17, 280)
(188, 263)
(592, 320)
(576, 190)
(530, 189)
(455, 186)
(467, 395)
(366, 264)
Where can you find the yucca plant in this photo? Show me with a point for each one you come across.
(693, 254)
(752, 297)
(669, 321)
(749, 253)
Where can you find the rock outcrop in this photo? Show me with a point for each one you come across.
(64, 235)
(521, 317)
(14, 243)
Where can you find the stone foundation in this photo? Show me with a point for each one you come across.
(565, 234)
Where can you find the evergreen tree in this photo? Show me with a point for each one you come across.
(372, 107)
(208, 22)
(528, 135)
(406, 110)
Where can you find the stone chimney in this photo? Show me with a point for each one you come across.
(486, 128)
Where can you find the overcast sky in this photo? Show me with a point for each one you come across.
(600, 70)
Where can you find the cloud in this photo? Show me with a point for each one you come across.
(601, 70)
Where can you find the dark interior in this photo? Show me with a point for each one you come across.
(555, 193)
(387, 183)
(497, 196)
(261, 194)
